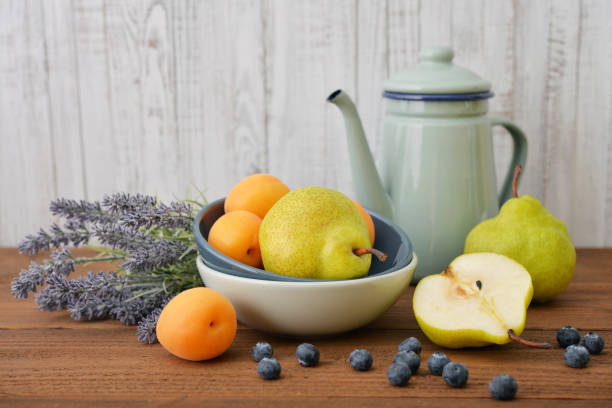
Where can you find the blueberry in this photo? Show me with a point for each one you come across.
(593, 342)
(361, 359)
(436, 362)
(567, 336)
(261, 350)
(409, 358)
(455, 374)
(410, 344)
(503, 387)
(576, 356)
(398, 374)
(307, 354)
(268, 368)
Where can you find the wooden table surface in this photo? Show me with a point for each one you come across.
(47, 359)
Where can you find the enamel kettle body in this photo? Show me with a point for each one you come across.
(436, 166)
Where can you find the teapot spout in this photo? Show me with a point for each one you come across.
(366, 180)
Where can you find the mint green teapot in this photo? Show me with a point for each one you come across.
(436, 175)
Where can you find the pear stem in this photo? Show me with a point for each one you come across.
(517, 174)
(382, 257)
(527, 343)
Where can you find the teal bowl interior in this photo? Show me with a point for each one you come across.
(390, 239)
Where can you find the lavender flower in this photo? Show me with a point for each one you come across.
(175, 215)
(146, 331)
(118, 236)
(123, 203)
(147, 327)
(97, 296)
(81, 211)
(133, 309)
(152, 238)
(57, 295)
(28, 280)
(61, 262)
(35, 242)
(75, 234)
(117, 226)
(145, 251)
(153, 255)
(138, 211)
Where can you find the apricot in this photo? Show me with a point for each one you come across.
(236, 234)
(368, 220)
(256, 193)
(197, 324)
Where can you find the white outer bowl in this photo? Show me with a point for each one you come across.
(309, 308)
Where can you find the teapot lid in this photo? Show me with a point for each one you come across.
(436, 77)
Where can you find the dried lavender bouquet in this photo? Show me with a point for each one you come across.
(150, 242)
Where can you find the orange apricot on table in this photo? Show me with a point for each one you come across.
(197, 324)
(256, 193)
(368, 220)
(236, 234)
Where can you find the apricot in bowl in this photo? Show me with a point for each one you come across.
(256, 193)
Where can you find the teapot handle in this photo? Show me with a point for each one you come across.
(519, 155)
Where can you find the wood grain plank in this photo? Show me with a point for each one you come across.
(139, 64)
(371, 67)
(585, 304)
(310, 53)
(249, 122)
(188, 37)
(592, 140)
(27, 154)
(533, 23)
(560, 121)
(297, 401)
(108, 364)
(403, 34)
(486, 46)
(216, 92)
(435, 23)
(220, 84)
(403, 48)
(311, 401)
(64, 101)
(95, 95)
(154, 96)
(157, 140)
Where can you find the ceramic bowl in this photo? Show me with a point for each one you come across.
(307, 307)
(390, 239)
(313, 308)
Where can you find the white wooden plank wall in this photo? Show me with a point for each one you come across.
(155, 96)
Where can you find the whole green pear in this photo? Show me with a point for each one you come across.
(528, 233)
(312, 232)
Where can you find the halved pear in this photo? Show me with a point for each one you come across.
(480, 299)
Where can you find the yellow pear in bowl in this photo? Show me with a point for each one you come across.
(528, 233)
(317, 233)
(480, 299)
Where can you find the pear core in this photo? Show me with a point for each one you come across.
(476, 301)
